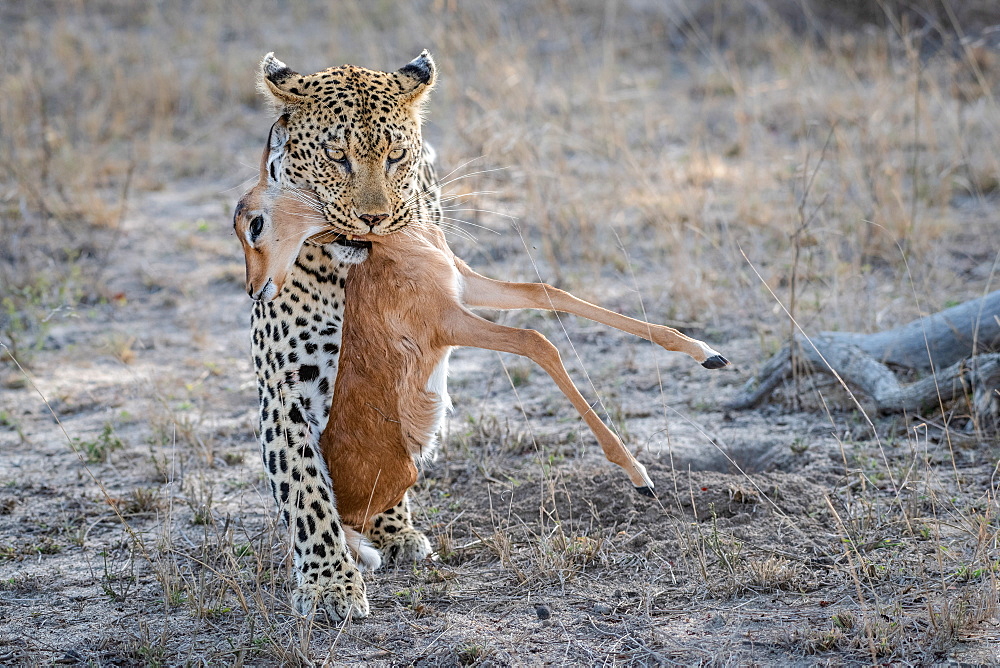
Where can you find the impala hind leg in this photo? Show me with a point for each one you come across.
(392, 532)
(467, 329)
(480, 291)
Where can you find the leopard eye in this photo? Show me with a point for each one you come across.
(396, 154)
(256, 226)
(336, 154)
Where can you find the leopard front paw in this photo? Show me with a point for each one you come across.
(405, 546)
(340, 597)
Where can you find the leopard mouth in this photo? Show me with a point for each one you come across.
(350, 241)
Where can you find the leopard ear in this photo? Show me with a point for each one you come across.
(416, 78)
(279, 84)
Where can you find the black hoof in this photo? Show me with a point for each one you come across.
(646, 490)
(715, 362)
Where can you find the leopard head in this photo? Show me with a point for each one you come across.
(353, 139)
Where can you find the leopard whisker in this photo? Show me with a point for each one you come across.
(458, 196)
(466, 222)
(444, 184)
(464, 164)
(448, 228)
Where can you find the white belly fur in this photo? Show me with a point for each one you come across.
(437, 384)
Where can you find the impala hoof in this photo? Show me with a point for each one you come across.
(646, 490)
(715, 362)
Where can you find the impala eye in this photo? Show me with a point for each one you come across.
(336, 154)
(396, 154)
(256, 226)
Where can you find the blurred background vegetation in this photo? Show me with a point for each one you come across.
(848, 148)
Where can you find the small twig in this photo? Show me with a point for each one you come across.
(804, 222)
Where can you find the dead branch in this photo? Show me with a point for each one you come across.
(952, 348)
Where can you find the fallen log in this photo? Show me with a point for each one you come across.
(952, 348)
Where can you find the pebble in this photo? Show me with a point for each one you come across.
(601, 609)
(543, 611)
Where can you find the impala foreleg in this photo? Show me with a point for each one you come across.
(467, 329)
(480, 291)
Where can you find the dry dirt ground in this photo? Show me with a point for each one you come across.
(136, 529)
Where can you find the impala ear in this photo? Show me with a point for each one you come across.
(416, 78)
(279, 84)
(276, 141)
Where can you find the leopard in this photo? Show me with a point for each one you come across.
(353, 160)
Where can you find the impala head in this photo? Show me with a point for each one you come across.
(272, 223)
(353, 139)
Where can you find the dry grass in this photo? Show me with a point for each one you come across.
(653, 133)
(645, 148)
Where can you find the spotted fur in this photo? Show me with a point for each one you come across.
(393, 534)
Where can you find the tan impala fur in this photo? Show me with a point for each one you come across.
(288, 218)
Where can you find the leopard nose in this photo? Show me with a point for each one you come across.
(373, 219)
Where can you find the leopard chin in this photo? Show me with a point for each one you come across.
(350, 252)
